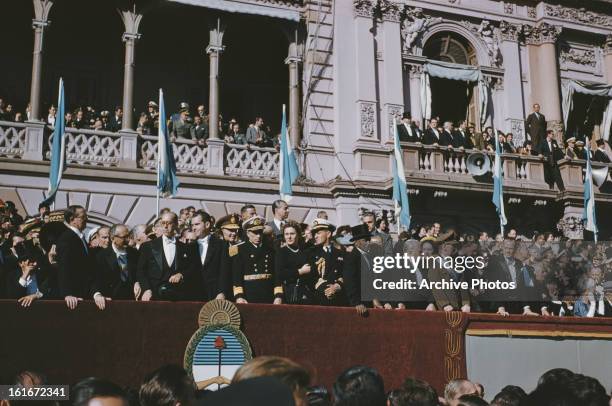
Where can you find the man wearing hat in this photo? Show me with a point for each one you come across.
(180, 127)
(328, 262)
(569, 150)
(579, 150)
(356, 259)
(406, 130)
(228, 228)
(254, 276)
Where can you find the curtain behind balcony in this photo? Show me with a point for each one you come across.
(454, 71)
(569, 87)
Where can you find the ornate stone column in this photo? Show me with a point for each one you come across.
(607, 48)
(131, 21)
(215, 143)
(39, 23)
(392, 97)
(513, 84)
(545, 85)
(214, 49)
(367, 105)
(293, 61)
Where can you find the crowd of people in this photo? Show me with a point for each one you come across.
(243, 258)
(277, 381)
(182, 124)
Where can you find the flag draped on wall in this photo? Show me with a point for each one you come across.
(400, 191)
(58, 148)
(167, 182)
(589, 196)
(288, 167)
(498, 186)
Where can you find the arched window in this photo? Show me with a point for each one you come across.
(450, 47)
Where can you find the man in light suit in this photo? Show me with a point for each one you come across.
(536, 126)
(280, 210)
(164, 263)
(255, 134)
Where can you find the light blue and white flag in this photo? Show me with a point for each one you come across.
(167, 182)
(498, 185)
(288, 167)
(590, 221)
(58, 148)
(400, 191)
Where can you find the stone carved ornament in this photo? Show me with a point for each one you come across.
(607, 47)
(385, 9)
(364, 8)
(578, 15)
(579, 57)
(414, 25)
(509, 31)
(542, 33)
(368, 118)
(486, 31)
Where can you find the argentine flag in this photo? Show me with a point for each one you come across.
(400, 192)
(590, 221)
(58, 148)
(498, 185)
(289, 171)
(167, 183)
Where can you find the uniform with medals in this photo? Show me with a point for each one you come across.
(230, 248)
(327, 263)
(254, 276)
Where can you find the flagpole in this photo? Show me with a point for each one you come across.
(158, 160)
(500, 180)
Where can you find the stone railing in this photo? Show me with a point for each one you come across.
(12, 139)
(443, 163)
(189, 156)
(250, 161)
(89, 147)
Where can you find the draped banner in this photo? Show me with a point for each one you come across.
(453, 71)
(569, 87)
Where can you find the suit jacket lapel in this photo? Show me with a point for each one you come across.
(212, 245)
(158, 248)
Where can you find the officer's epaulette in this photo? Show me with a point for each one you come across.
(233, 249)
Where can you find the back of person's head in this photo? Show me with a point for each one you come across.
(472, 400)
(167, 386)
(419, 393)
(289, 372)
(556, 376)
(510, 395)
(106, 392)
(318, 396)
(359, 386)
(588, 391)
(456, 388)
(550, 395)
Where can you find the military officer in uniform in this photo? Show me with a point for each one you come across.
(227, 230)
(255, 280)
(327, 261)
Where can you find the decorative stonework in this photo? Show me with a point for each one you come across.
(367, 116)
(413, 26)
(571, 225)
(517, 128)
(541, 34)
(508, 8)
(531, 12)
(486, 31)
(393, 111)
(607, 47)
(389, 11)
(131, 21)
(578, 15)
(41, 12)
(415, 71)
(509, 31)
(584, 57)
(497, 83)
(364, 8)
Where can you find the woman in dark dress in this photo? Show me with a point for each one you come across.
(293, 267)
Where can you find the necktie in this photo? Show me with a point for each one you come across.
(122, 260)
(85, 244)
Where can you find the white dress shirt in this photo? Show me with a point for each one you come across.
(79, 234)
(169, 249)
(408, 128)
(279, 224)
(203, 247)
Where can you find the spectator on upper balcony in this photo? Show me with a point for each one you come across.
(550, 150)
(201, 111)
(51, 116)
(406, 130)
(153, 116)
(9, 114)
(569, 149)
(80, 121)
(91, 115)
(256, 135)
(462, 137)
(2, 110)
(199, 131)
(235, 136)
(579, 150)
(116, 121)
(510, 147)
(105, 118)
(447, 138)
(600, 154)
(181, 128)
(18, 117)
(536, 126)
(230, 125)
(474, 138)
(432, 135)
(488, 139)
(98, 125)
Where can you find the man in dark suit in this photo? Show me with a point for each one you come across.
(199, 131)
(116, 122)
(550, 150)
(116, 267)
(432, 135)
(536, 126)
(600, 155)
(208, 251)
(27, 274)
(446, 138)
(163, 263)
(461, 136)
(73, 261)
(406, 130)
